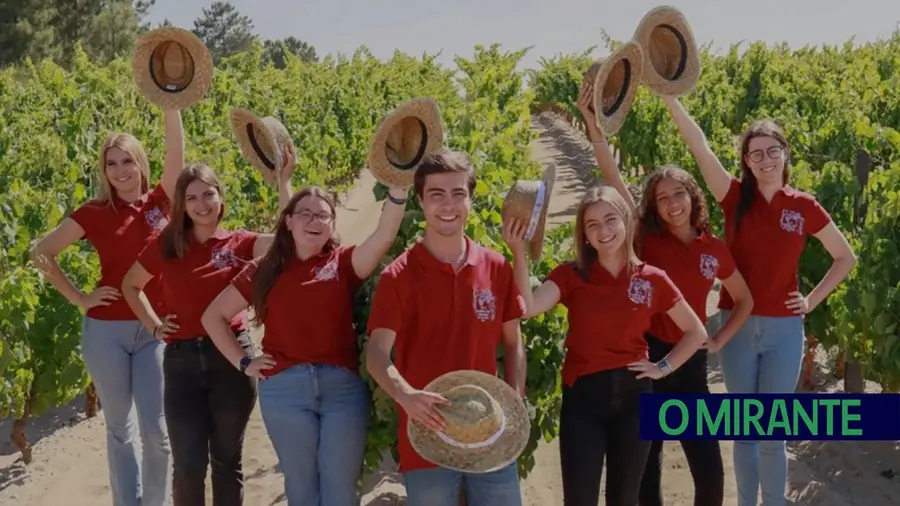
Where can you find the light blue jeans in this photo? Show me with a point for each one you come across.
(438, 486)
(316, 417)
(125, 364)
(764, 356)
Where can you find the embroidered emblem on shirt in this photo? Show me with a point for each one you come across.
(224, 256)
(640, 291)
(155, 218)
(709, 266)
(327, 271)
(485, 304)
(791, 221)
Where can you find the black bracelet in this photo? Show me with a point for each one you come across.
(397, 201)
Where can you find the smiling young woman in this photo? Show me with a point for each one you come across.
(767, 224)
(612, 298)
(123, 359)
(207, 401)
(673, 234)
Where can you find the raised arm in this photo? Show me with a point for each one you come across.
(717, 178)
(546, 296)
(602, 152)
(174, 163)
(283, 183)
(368, 255)
(44, 255)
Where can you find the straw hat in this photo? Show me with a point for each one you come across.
(615, 80)
(403, 138)
(487, 424)
(172, 67)
(528, 201)
(261, 141)
(671, 60)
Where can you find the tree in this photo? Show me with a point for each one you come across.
(274, 51)
(224, 30)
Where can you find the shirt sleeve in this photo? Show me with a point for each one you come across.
(244, 247)
(816, 216)
(151, 258)
(345, 267)
(513, 303)
(386, 311)
(667, 295)
(243, 282)
(727, 266)
(562, 275)
(730, 202)
(158, 197)
(87, 217)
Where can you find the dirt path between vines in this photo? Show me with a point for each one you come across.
(70, 467)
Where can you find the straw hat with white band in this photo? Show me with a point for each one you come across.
(528, 201)
(487, 424)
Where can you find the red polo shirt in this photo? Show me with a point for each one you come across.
(768, 247)
(310, 311)
(445, 321)
(608, 315)
(118, 233)
(693, 267)
(191, 284)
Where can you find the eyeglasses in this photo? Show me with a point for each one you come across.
(307, 216)
(774, 153)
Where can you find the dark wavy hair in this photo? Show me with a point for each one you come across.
(282, 250)
(650, 220)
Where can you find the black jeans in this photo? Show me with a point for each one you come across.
(208, 404)
(599, 420)
(704, 457)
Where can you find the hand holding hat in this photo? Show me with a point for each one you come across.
(263, 142)
(526, 206)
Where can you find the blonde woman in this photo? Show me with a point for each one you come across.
(123, 359)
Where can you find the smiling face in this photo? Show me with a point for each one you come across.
(202, 203)
(673, 203)
(604, 228)
(446, 201)
(122, 171)
(765, 156)
(311, 223)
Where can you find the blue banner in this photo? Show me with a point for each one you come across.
(789, 417)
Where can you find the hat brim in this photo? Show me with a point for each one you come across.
(502, 453)
(536, 244)
(390, 174)
(611, 119)
(244, 124)
(143, 75)
(687, 73)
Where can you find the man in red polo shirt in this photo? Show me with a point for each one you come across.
(444, 305)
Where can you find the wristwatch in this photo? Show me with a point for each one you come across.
(664, 367)
(245, 363)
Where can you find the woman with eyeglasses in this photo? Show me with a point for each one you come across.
(767, 223)
(207, 402)
(313, 401)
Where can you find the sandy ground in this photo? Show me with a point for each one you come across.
(70, 467)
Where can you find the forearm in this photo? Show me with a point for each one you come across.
(736, 320)
(523, 281)
(514, 366)
(219, 330)
(54, 274)
(688, 345)
(141, 307)
(385, 373)
(284, 193)
(839, 270)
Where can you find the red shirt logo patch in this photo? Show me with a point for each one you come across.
(640, 291)
(155, 218)
(709, 266)
(224, 257)
(792, 221)
(485, 304)
(327, 272)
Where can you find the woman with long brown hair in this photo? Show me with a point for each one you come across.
(673, 234)
(313, 401)
(767, 223)
(207, 402)
(611, 297)
(122, 358)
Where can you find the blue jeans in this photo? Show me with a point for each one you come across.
(764, 356)
(316, 417)
(438, 486)
(125, 364)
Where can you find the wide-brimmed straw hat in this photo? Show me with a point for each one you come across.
(671, 60)
(528, 201)
(172, 67)
(261, 141)
(403, 138)
(487, 424)
(615, 79)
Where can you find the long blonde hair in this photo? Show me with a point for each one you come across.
(585, 254)
(129, 144)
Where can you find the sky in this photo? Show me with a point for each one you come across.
(550, 26)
